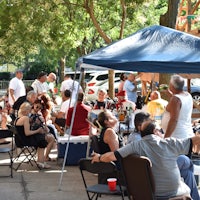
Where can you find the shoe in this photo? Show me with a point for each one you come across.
(43, 165)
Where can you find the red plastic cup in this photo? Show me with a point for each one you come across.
(112, 183)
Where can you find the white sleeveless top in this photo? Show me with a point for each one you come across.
(184, 126)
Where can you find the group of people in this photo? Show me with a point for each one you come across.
(167, 141)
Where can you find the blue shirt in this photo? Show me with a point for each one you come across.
(129, 87)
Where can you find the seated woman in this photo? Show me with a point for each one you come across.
(37, 121)
(36, 138)
(109, 140)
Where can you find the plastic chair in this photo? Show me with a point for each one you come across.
(97, 190)
(26, 152)
(7, 148)
(140, 181)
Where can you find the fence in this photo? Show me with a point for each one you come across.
(4, 84)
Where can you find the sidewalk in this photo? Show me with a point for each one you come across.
(29, 183)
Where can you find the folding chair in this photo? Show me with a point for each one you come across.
(7, 148)
(139, 179)
(97, 190)
(95, 143)
(26, 153)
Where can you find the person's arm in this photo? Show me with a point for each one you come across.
(27, 130)
(107, 157)
(173, 108)
(12, 94)
(69, 117)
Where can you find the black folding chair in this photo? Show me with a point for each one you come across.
(26, 154)
(96, 190)
(7, 148)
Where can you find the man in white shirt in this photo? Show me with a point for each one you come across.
(16, 87)
(38, 85)
(72, 85)
(59, 118)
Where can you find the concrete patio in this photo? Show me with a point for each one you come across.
(29, 183)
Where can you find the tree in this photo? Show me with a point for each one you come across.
(169, 20)
(68, 29)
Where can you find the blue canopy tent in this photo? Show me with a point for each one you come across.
(152, 49)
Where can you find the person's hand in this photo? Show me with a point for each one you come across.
(41, 130)
(95, 157)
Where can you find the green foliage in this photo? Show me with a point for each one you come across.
(42, 32)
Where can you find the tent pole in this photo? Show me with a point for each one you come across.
(70, 130)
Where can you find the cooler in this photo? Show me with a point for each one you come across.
(77, 148)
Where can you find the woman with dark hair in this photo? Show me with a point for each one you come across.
(37, 121)
(109, 140)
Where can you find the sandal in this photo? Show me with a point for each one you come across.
(43, 165)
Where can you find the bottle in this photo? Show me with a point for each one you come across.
(121, 114)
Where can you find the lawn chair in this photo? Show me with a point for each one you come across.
(7, 148)
(25, 153)
(97, 190)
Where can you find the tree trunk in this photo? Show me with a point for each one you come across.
(62, 69)
(111, 91)
(168, 20)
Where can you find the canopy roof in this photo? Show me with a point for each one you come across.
(152, 49)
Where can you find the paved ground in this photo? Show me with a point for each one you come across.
(29, 183)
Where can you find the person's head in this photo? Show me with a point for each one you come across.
(24, 109)
(121, 95)
(102, 94)
(31, 96)
(19, 73)
(123, 76)
(131, 77)
(80, 96)
(176, 83)
(105, 119)
(155, 95)
(139, 119)
(67, 76)
(149, 127)
(37, 105)
(66, 94)
(51, 77)
(42, 76)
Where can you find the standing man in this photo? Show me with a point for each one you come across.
(38, 85)
(51, 78)
(130, 86)
(16, 87)
(72, 85)
(176, 121)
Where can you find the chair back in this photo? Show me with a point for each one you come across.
(139, 177)
(95, 143)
